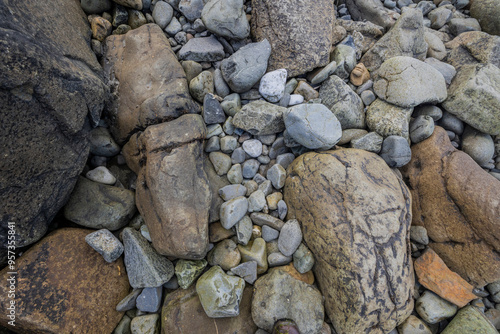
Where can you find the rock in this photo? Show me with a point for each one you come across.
(406, 38)
(278, 259)
(235, 174)
(101, 28)
(162, 14)
(419, 234)
(290, 237)
(226, 18)
(136, 19)
(299, 33)
(183, 313)
(99, 206)
(474, 47)
(192, 69)
(408, 82)
(149, 300)
(345, 57)
(244, 230)
(215, 183)
(102, 144)
(421, 128)
(273, 200)
(219, 293)
(145, 267)
(478, 146)
(452, 123)
(63, 284)
(96, 6)
(413, 325)
(350, 134)
(474, 97)
(231, 104)
(47, 144)
(428, 110)
(119, 15)
(439, 17)
(344, 103)
(436, 48)
(276, 175)
(395, 151)
(372, 11)
(272, 85)
(247, 271)
(433, 274)
(371, 142)
(101, 175)
(434, 309)
(303, 259)
(135, 4)
(232, 191)
(458, 209)
(202, 49)
(202, 85)
(246, 66)
(255, 251)
(106, 244)
(260, 118)
(487, 13)
(277, 295)
(142, 96)
(269, 233)
(329, 202)
(217, 232)
(445, 69)
(252, 147)
(304, 89)
(319, 75)
(123, 326)
(188, 271)
(359, 75)
(256, 201)
(469, 320)
(232, 211)
(221, 162)
(265, 219)
(128, 303)
(145, 324)
(228, 144)
(224, 254)
(387, 119)
(212, 110)
(458, 25)
(312, 126)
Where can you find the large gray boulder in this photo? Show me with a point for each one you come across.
(226, 18)
(51, 91)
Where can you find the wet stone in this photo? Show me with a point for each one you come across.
(187, 271)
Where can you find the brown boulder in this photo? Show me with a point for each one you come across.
(300, 32)
(64, 286)
(355, 216)
(147, 82)
(183, 313)
(172, 190)
(457, 202)
(473, 47)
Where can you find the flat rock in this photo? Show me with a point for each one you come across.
(260, 118)
(459, 209)
(173, 194)
(202, 49)
(182, 312)
(474, 97)
(299, 33)
(278, 295)
(99, 206)
(355, 216)
(148, 83)
(469, 320)
(406, 38)
(63, 284)
(408, 82)
(433, 309)
(226, 18)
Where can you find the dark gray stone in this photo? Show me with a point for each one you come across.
(202, 49)
(421, 128)
(128, 303)
(106, 244)
(212, 110)
(396, 151)
(250, 168)
(150, 299)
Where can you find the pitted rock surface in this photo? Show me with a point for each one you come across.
(355, 216)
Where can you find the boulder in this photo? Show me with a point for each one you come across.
(387, 119)
(182, 312)
(300, 32)
(148, 83)
(457, 202)
(406, 38)
(372, 11)
(487, 13)
(473, 47)
(50, 83)
(408, 82)
(226, 18)
(474, 97)
(62, 284)
(355, 216)
(173, 193)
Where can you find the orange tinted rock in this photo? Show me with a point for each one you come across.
(457, 202)
(433, 273)
(306, 277)
(359, 75)
(64, 286)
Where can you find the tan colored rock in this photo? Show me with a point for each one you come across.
(457, 202)
(307, 277)
(359, 75)
(433, 273)
(63, 286)
(172, 191)
(101, 28)
(300, 32)
(148, 83)
(304, 89)
(182, 312)
(355, 216)
(474, 47)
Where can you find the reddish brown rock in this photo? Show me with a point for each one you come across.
(172, 190)
(355, 216)
(458, 203)
(147, 82)
(307, 277)
(64, 286)
(183, 313)
(433, 273)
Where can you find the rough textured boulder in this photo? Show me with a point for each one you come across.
(457, 202)
(172, 191)
(371, 10)
(355, 216)
(474, 97)
(474, 47)
(147, 82)
(300, 32)
(63, 284)
(49, 83)
(183, 313)
(406, 38)
(487, 13)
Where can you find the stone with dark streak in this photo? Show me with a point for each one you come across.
(172, 190)
(63, 286)
(355, 216)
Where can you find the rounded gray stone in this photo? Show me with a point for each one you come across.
(162, 14)
(479, 146)
(278, 259)
(272, 85)
(452, 123)
(244, 230)
(277, 175)
(421, 128)
(102, 143)
(101, 175)
(256, 201)
(149, 300)
(433, 308)
(250, 168)
(396, 151)
(226, 18)
(290, 237)
(269, 233)
(232, 191)
(106, 244)
(221, 162)
(371, 142)
(303, 259)
(232, 211)
(252, 147)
